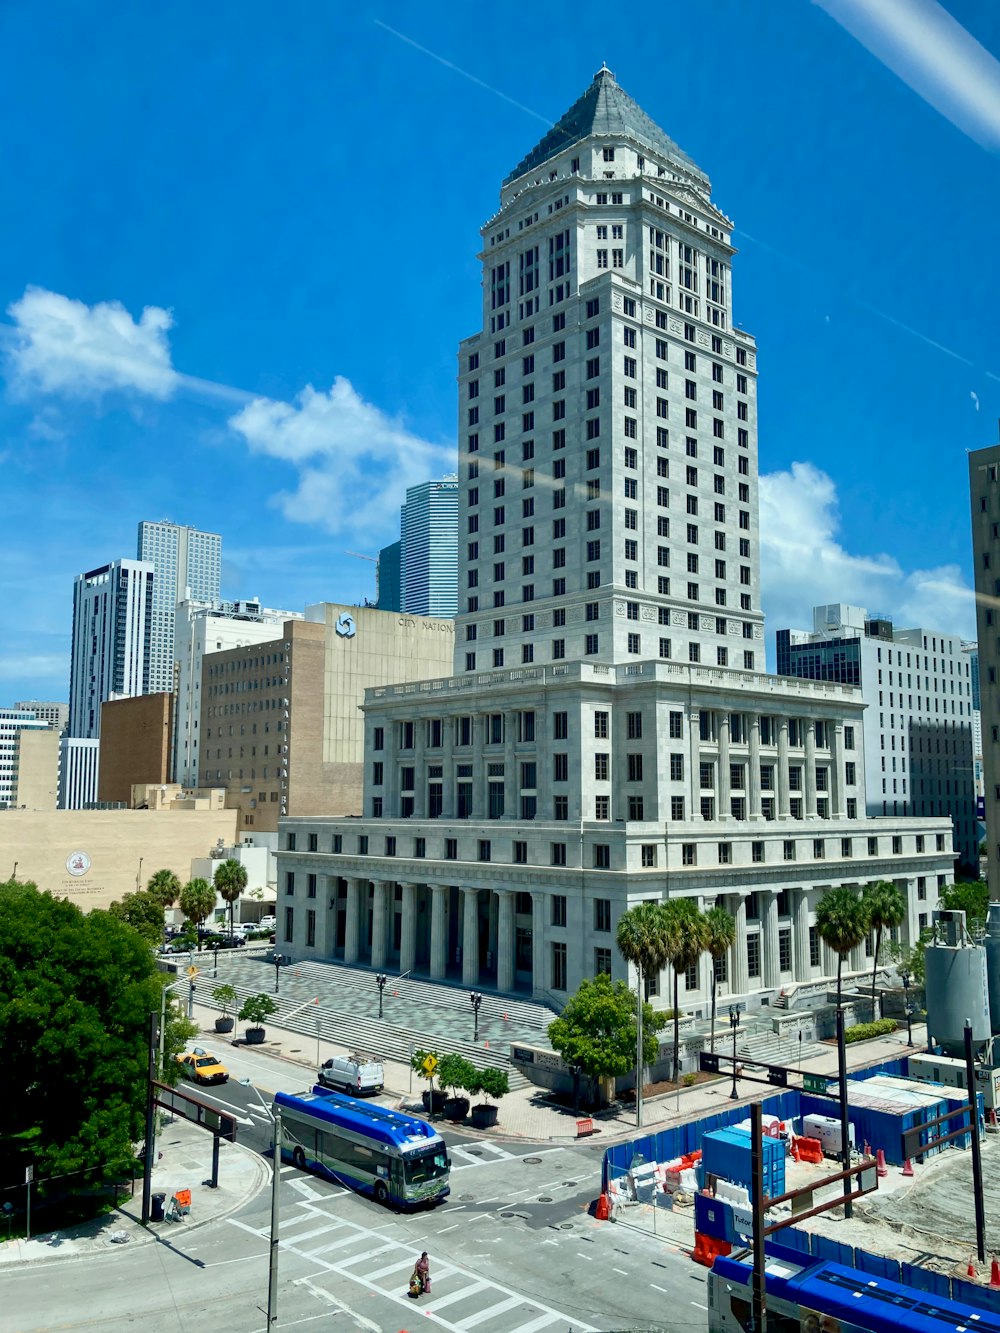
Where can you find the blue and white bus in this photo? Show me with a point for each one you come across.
(396, 1158)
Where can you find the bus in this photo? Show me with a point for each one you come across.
(396, 1158)
(807, 1295)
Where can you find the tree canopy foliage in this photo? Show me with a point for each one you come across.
(971, 897)
(598, 1029)
(230, 879)
(165, 887)
(143, 912)
(197, 899)
(76, 993)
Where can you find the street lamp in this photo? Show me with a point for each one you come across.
(475, 999)
(734, 1022)
(272, 1272)
(138, 875)
(215, 959)
(380, 980)
(277, 969)
(905, 978)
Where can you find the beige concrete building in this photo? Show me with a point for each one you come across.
(92, 857)
(36, 774)
(136, 745)
(281, 727)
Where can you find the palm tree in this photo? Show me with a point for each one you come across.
(885, 907)
(641, 942)
(721, 938)
(841, 923)
(197, 901)
(687, 939)
(165, 887)
(230, 880)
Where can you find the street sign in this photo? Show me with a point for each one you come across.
(29, 1174)
(777, 1075)
(192, 971)
(815, 1082)
(430, 1065)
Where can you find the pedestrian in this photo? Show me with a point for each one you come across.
(420, 1280)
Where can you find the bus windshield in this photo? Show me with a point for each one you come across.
(428, 1166)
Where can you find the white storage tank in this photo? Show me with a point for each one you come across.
(956, 985)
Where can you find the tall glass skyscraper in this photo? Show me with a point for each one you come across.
(429, 549)
(188, 566)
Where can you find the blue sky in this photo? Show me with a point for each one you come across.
(239, 250)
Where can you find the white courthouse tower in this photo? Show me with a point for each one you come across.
(188, 566)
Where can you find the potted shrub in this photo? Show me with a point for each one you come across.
(456, 1074)
(433, 1099)
(255, 1009)
(225, 997)
(491, 1083)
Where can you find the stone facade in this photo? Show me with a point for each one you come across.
(136, 745)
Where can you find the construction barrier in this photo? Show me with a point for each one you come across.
(707, 1247)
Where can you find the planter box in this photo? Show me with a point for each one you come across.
(255, 1036)
(456, 1108)
(484, 1116)
(225, 1024)
(438, 1103)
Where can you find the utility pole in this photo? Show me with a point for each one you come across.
(977, 1160)
(845, 1128)
(757, 1204)
(272, 1272)
(147, 1166)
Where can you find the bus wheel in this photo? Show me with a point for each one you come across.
(381, 1192)
(299, 1158)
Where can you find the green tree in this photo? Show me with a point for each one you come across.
(597, 1029)
(721, 937)
(686, 933)
(456, 1073)
(256, 1008)
(76, 994)
(969, 896)
(197, 901)
(841, 923)
(165, 887)
(230, 880)
(885, 907)
(143, 912)
(642, 942)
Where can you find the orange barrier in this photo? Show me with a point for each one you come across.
(810, 1150)
(602, 1211)
(584, 1127)
(706, 1248)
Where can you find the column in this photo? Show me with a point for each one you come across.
(470, 937)
(802, 969)
(838, 801)
(694, 764)
(492, 930)
(739, 977)
(537, 944)
(390, 758)
(326, 915)
(810, 792)
(505, 938)
(722, 785)
(352, 926)
(380, 921)
(420, 768)
(706, 963)
(830, 962)
(753, 778)
(480, 725)
(408, 931)
(511, 783)
(770, 965)
(782, 775)
(439, 931)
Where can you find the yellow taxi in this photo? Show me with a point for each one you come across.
(202, 1067)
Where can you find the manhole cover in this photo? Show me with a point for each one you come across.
(565, 1226)
(569, 1184)
(476, 1152)
(531, 1161)
(547, 1198)
(509, 1215)
(466, 1198)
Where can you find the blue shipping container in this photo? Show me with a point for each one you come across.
(726, 1153)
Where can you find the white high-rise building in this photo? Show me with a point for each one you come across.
(609, 734)
(919, 720)
(204, 628)
(188, 566)
(12, 722)
(428, 549)
(112, 614)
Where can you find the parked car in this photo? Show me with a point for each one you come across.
(356, 1074)
(202, 1067)
(177, 945)
(224, 941)
(268, 923)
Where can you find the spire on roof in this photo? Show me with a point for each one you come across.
(604, 109)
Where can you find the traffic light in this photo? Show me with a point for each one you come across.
(777, 1076)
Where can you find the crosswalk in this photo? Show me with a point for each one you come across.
(477, 1154)
(336, 1250)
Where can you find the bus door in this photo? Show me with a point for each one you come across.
(397, 1183)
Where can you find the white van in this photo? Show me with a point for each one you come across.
(268, 923)
(355, 1074)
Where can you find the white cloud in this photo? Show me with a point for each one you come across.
(804, 564)
(932, 53)
(66, 347)
(353, 461)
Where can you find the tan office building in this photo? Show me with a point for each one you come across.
(136, 745)
(281, 727)
(36, 775)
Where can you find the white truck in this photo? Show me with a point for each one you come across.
(355, 1074)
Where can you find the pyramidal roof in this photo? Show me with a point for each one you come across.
(604, 109)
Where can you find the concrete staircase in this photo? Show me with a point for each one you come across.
(417, 1014)
(767, 1048)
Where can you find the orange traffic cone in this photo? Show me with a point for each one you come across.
(868, 1148)
(971, 1270)
(907, 1168)
(880, 1167)
(796, 1155)
(602, 1212)
(995, 1275)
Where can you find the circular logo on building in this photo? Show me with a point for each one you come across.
(345, 625)
(78, 863)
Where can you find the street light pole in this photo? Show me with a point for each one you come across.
(277, 969)
(475, 999)
(734, 1022)
(380, 980)
(272, 1268)
(905, 977)
(138, 875)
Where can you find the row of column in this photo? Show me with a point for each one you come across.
(381, 910)
(782, 794)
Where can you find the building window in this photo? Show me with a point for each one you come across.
(602, 807)
(753, 955)
(451, 849)
(689, 856)
(784, 950)
(789, 849)
(557, 854)
(725, 853)
(558, 967)
(558, 901)
(290, 885)
(289, 924)
(813, 947)
(310, 886)
(602, 962)
(602, 915)
(602, 856)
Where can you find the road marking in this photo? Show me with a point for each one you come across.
(306, 1190)
(444, 1230)
(490, 1313)
(623, 1271)
(699, 1305)
(663, 1289)
(335, 1245)
(390, 1268)
(540, 1322)
(439, 1302)
(368, 1254)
